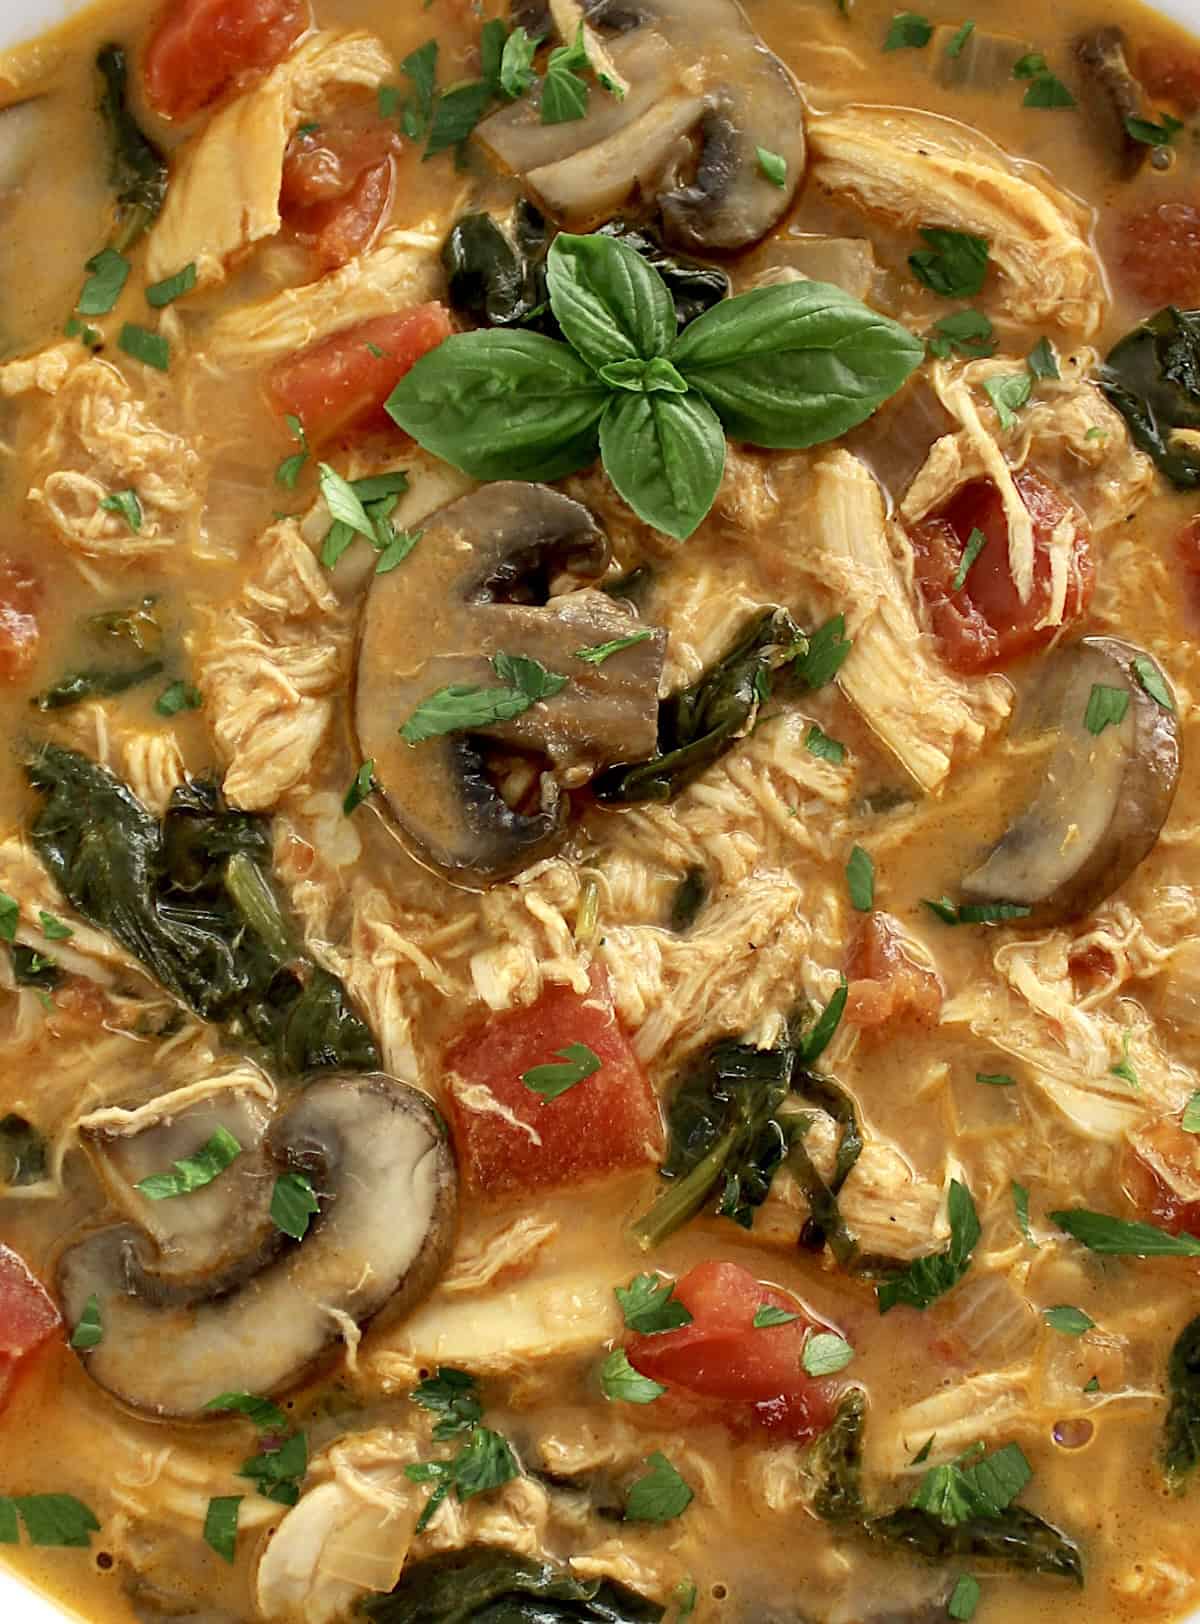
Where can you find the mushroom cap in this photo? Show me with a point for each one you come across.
(1101, 800)
(378, 1156)
(479, 584)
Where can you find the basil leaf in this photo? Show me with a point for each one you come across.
(908, 30)
(1106, 707)
(264, 1415)
(773, 167)
(964, 1598)
(659, 1496)
(767, 1315)
(1008, 392)
(954, 265)
(794, 366)
(56, 1519)
(860, 880)
(665, 455)
(551, 1080)
(825, 1353)
(620, 1381)
(1067, 1320)
(502, 405)
(160, 294)
(819, 744)
(344, 503)
(89, 1328)
(1122, 1237)
(150, 348)
(597, 653)
(516, 73)
(1151, 134)
(220, 1524)
(104, 286)
(193, 1172)
(649, 1305)
(610, 304)
(293, 1203)
(1151, 678)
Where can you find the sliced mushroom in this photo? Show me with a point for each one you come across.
(1103, 797)
(983, 61)
(693, 67)
(220, 1233)
(22, 126)
(479, 585)
(377, 1155)
(1112, 96)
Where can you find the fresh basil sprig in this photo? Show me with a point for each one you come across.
(784, 367)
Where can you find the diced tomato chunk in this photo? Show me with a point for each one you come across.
(27, 1316)
(1169, 73)
(337, 184)
(1162, 1175)
(341, 384)
(887, 982)
(1187, 551)
(1157, 256)
(723, 1355)
(984, 626)
(20, 591)
(510, 1139)
(203, 47)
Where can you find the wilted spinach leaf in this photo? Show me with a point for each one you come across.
(93, 683)
(189, 897)
(837, 1458)
(22, 1152)
(1181, 1430)
(1015, 1539)
(699, 723)
(139, 170)
(491, 1586)
(1152, 377)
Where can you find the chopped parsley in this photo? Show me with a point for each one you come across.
(772, 166)
(453, 1396)
(955, 46)
(928, 1278)
(1106, 707)
(956, 1492)
(575, 1062)
(660, 1495)
(221, 1523)
(193, 1172)
(1151, 679)
(976, 542)
(293, 1204)
(108, 273)
(1068, 1321)
(860, 880)
(974, 913)
(964, 332)
(127, 505)
(1020, 1197)
(622, 1383)
(1151, 134)
(996, 1079)
(954, 265)
(484, 1462)
(265, 1415)
(277, 1473)
(362, 785)
(290, 468)
(54, 929)
(825, 1353)
(1191, 1115)
(89, 1328)
(964, 1598)
(178, 696)
(1008, 392)
(150, 348)
(1042, 361)
(160, 294)
(767, 1315)
(465, 707)
(649, 1305)
(824, 650)
(819, 744)
(597, 653)
(1124, 1068)
(908, 31)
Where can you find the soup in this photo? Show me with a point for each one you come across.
(601, 942)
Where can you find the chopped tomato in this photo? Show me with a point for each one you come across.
(342, 383)
(203, 47)
(511, 1140)
(20, 591)
(27, 1316)
(337, 184)
(1158, 254)
(983, 625)
(1162, 1175)
(887, 982)
(1169, 73)
(723, 1355)
(1187, 551)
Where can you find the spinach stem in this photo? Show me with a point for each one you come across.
(684, 1198)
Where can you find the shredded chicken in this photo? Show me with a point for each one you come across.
(224, 192)
(917, 169)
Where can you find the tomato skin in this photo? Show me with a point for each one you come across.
(1158, 254)
(201, 47)
(886, 982)
(722, 1355)
(608, 1123)
(337, 186)
(1169, 73)
(984, 626)
(20, 593)
(27, 1317)
(341, 385)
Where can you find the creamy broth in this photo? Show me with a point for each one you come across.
(267, 634)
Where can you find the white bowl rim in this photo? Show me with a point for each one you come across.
(21, 20)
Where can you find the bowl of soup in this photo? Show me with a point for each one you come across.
(599, 912)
